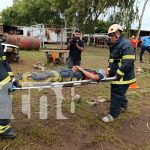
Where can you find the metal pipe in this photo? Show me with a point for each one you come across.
(64, 84)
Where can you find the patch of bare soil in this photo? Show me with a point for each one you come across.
(131, 134)
(22, 66)
(135, 133)
(83, 130)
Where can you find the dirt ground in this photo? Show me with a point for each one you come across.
(83, 130)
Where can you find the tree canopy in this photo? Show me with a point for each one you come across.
(83, 14)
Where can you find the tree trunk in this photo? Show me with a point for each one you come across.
(89, 39)
(140, 20)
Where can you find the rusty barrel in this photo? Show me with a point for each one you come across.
(23, 42)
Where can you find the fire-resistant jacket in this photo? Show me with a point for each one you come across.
(5, 70)
(121, 62)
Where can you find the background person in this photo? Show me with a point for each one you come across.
(121, 65)
(134, 42)
(145, 46)
(75, 46)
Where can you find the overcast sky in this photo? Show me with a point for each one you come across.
(146, 17)
(145, 23)
(5, 3)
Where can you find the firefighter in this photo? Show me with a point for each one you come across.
(121, 65)
(5, 100)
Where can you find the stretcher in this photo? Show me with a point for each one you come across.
(63, 84)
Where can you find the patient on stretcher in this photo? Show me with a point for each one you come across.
(76, 73)
(91, 74)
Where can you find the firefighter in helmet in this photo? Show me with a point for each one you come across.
(121, 65)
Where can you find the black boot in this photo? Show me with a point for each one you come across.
(8, 134)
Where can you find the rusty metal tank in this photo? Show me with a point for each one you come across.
(23, 42)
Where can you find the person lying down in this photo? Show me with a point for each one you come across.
(91, 74)
(76, 73)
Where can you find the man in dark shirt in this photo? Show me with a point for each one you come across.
(75, 46)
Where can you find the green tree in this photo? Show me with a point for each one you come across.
(126, 14)
(29, 12)
(83, 14)
(102, 26)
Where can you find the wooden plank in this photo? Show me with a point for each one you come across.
(57, 50)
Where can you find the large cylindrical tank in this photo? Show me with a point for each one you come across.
(23, 42)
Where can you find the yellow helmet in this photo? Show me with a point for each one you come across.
(113, 28)
(133, 37)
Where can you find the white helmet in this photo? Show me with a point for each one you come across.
(113, 28)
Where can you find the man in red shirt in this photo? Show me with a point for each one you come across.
(134, 42)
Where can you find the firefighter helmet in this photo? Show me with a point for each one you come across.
(113, 28)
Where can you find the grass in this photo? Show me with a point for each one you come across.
(85, 123)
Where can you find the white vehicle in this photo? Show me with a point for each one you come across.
(11, 52)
